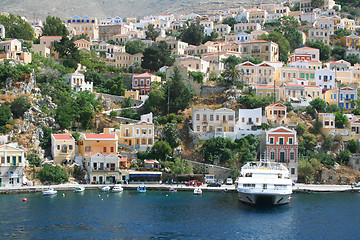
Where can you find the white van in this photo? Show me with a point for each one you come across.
(229, 181)
(209, 178)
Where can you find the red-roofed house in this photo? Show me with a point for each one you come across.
(282, 146)
(142, 82)
(305, 53)
(276, 113)
(98, 143)
(62, 147)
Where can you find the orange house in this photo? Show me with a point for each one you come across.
(97, 143)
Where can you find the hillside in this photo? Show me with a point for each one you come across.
(112, 8)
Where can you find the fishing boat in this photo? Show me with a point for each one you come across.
(141, 189)
(50, 191)
(117, 188)
(197, 191)
(105, 189)
(173, 190)
(264, 182)
(80, 189)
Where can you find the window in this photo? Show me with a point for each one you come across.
(272, 155)
(111, 149)
(58, 147)
(70, 147)
(292, 170)
(143, 131)
(150, 141)
(197, 117)
(281, 141)
(19, 159)
(149, 131)
(271, 140)
(292, 156)
(87, 149)
(143, 141)
(230, 117)
(204, 118)
(104, 149)
(290, 140)
(198, 128)
(8, 159)
(211, 117)
(217, 117)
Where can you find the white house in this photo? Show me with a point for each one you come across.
(249, 122)
(78, 83)
(325, 78)
(2, 31)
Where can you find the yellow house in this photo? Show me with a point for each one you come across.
(132, 94)
(350, 41)
(261, 49)
(176, 46)
(349, 24)
(83, 44)
(267, 91)
(97, 143)
(85, 25)
(343, 97)
(276, 113)
(126, 59)
(139, 135)
(12, 165)
(257, 15)
(62, 148)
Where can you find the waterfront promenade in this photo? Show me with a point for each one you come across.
(180, 187)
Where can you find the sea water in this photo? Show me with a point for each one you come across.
(181, 215)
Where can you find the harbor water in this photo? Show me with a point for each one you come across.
(180, 215)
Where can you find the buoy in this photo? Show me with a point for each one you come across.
(102, 199)
(99, 195)
(167, 195)
(64, 194)
(129, 196)
(24, 200)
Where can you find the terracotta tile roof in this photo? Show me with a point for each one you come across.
(144, 74)
(63, 137)
(100, 136)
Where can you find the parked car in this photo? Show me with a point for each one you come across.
(357, 184)
(193, 183)
(214, 184)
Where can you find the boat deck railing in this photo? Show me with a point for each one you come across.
(266, 165)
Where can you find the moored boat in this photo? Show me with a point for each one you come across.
(117, 188)
(141, 189)
(105, 189)
(197, 191)
(80, 189)
(173, 189)
(264, 182)
(50, 191)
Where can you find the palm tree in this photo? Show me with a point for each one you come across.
(231, 73)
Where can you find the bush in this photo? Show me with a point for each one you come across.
(34, 160)
(19, 106)
(353, 146)
(53, 174)
(113, 114)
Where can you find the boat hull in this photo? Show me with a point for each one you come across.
(256, 198)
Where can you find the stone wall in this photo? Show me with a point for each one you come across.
(118, 99)
(209, 90)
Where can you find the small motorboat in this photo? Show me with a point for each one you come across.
(105, 189)
(117, 188)
(50, 191)
(197, 191)
(79, 189)
(141, 189)
(172, 190)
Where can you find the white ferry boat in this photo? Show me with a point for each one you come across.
(264, 181)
